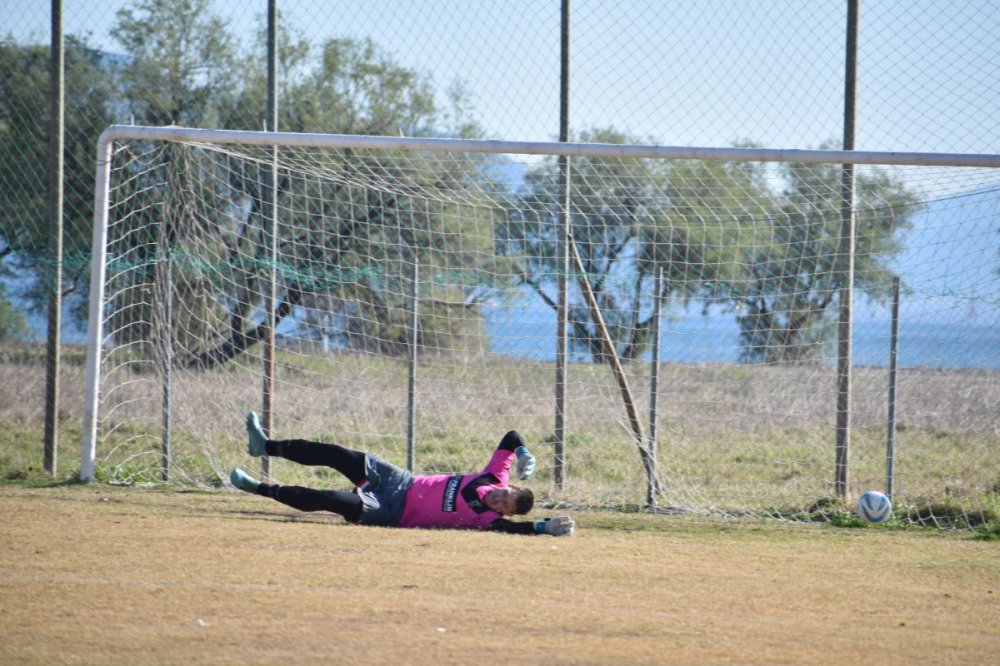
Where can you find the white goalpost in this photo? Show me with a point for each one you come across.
(411, 286)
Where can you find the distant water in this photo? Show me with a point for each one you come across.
(693, 338)
(949, 314)
(528, 331)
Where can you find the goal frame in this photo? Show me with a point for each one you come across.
(277, 140)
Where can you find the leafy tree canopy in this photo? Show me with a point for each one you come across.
(721, 232)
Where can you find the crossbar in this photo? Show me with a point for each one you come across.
(199, 135)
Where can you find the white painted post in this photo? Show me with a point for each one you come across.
(95, 322)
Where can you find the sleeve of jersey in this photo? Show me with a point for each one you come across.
(511, 441)
(499, 465)
(513, 527)
(503, 457)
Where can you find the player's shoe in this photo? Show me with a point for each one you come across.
(243, 481)
(256, 439)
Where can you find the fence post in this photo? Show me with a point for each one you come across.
(652, 486)
(559, 462)
(891, 425)
(166, 353)
(55, 216)
(271, 214)
(846, 262)
(411, 385)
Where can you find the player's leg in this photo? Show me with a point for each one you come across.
(346, 504)
(348, 462)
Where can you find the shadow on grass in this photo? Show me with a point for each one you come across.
(270, 516)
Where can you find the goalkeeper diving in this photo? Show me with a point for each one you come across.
(389, 496)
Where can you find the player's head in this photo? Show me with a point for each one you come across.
(524, 502)
(510, 500)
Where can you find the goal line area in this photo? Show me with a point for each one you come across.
(717, 331)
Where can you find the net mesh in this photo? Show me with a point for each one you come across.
(743, 257)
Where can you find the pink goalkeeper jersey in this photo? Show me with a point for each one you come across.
(456, 500)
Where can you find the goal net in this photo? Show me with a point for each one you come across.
(665, 326)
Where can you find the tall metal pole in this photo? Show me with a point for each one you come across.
(846, 262)
(411, 387)
(55, 217)
(562, 326)
(271, 213)
(890, 444)
(654, 381)
(166, 353)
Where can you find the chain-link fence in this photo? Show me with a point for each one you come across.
(706, 74)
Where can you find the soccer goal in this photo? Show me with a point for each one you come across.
(713, 331)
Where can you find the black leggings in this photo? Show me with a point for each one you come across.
(349, 463)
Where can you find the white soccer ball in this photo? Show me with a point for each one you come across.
(874, 507)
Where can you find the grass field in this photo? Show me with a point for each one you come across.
(100, 574)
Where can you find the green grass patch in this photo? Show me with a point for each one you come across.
(22, 456)
(990, 532)
(27, 353)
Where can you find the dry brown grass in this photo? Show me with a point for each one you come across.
(93, 574)
(731, 438)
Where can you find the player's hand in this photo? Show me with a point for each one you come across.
(525, 463)
(558, 526)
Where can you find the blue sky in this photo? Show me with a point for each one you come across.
(705, 73)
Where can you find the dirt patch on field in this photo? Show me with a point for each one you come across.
(100, 574)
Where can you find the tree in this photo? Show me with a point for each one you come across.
(181, 60)
(13, 323)
(784, 302)
(24, 128)
(369, 232)
(629, 220)
(613, 201)
(722, 233)
(372, 232)
(179, 65)
(715, 211)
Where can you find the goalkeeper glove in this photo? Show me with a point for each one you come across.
(558, 526)
(525, 462)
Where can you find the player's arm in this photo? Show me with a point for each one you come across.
(514, 443)
(558, 526)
